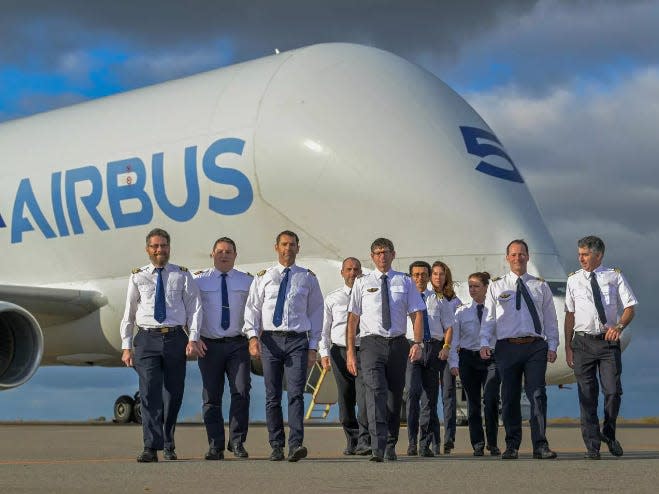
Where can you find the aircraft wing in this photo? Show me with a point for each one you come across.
(52, 306)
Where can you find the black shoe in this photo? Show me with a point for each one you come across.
(448, 446)
(214, 454)
(277, 454)
(296, 453)
(544, 453)
(376, 457)
(592, 455)
(148, 456)
(169, 454)
(411, 450)
(350, 450)
(363, 450)
(238, 450)
(494, 451)
(435, 450)
(614, 446)
(509, 454)
(390, 454)
(479, 450)
(426, 452)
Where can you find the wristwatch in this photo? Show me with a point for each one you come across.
(420, 343)
(446, 346)
(619, 327)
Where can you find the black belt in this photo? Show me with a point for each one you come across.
(473, 352)
(599, 336)
(522, 340)
(283, 334)
(225, 339)
(345, 348)
(431, 340)
(163, 330)
(386, 338)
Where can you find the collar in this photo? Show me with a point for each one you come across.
(218, 274)
(281, 268)
(152, 268)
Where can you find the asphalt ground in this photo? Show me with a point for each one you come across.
(101, 458)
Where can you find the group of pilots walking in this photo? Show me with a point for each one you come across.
(382, 333)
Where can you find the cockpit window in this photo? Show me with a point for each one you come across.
(557, 288)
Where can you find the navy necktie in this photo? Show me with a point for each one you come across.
(386, 311)
(160, 308)
(426, 324)
(479, 311)
(521, 289)
(225, 302)
(597, 297)
(281, 297)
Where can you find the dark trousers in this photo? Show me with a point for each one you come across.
(287, 353)
(383, 362)
(230, 358)
(480, 378)
(590, 356)
(447, 382)
(160, 364)
(530, 362)
(422, 383)
(351, 394)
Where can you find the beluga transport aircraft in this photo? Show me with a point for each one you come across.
(340, 143)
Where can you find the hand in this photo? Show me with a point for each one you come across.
(455, 372)
(569, 356)
(193, 349)
(486, 352)
(415, 352)
(611, 334)
(325, 362)
(127, 357)
(255, 347)
(443, 354)
(312, 358)
(351, 363)
(551, 356)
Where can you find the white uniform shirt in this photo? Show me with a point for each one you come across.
(366, 302)
(303, 305)
(209, 283)
(503, 320)
(335, 320)
(466, 331)
(182, 302)
(616, 294)
(440, 315)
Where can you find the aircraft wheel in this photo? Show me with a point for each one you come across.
(123, 409)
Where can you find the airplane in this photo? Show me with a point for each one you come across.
(339, 142)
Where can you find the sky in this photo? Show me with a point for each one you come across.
(571, 88)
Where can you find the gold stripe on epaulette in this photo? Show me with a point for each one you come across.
(136, 270)
(261, 273)
(497, 278)
(572, 273)
(183, 268)
(198, 272)
(617, 270)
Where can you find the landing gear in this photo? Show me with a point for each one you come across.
(123, 409)
(127, 409)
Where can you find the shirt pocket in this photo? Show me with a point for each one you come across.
(398, 293)
(146, 289)
(210, 298)
(175, 287)
(610, 294)
(506, 297)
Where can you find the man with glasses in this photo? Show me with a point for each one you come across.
(380, 303)
(162, 300)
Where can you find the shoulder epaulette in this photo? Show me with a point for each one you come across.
(136, 270)
(540, 278)
(572, 273)
(617, 270)
(261, 273)
(198, 272)
(497, 278)
(311, 272)
(183, 268)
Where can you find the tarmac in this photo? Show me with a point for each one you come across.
(98, 458)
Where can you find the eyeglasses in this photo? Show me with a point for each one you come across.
(155, 246)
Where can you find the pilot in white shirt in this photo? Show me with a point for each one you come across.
(599, 304)
(283, 321)
(520, 313)
(333, 344)
(224, 349)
